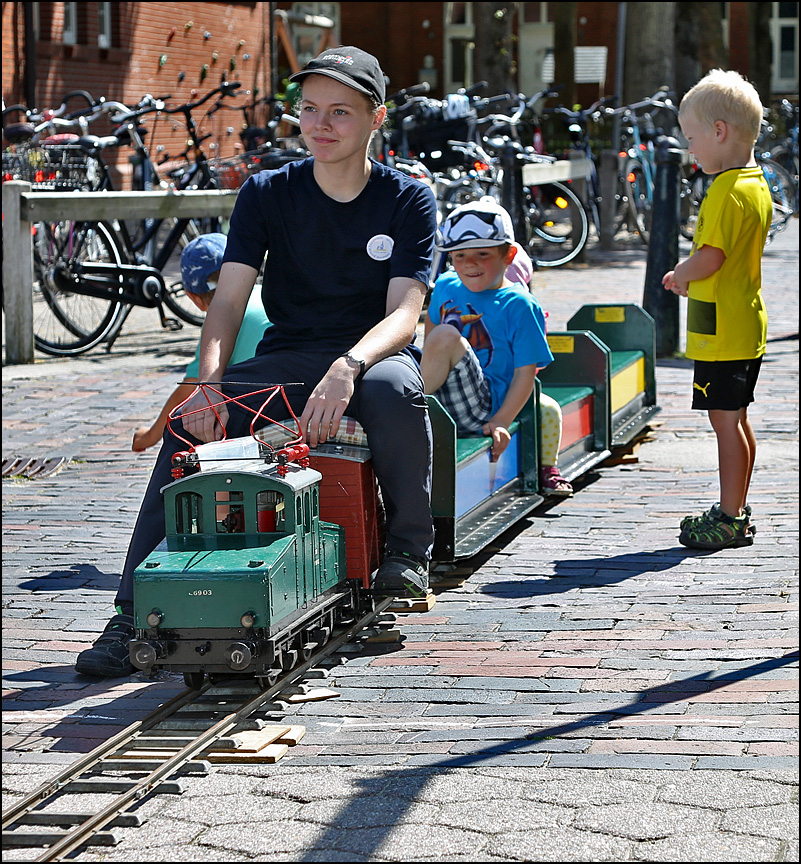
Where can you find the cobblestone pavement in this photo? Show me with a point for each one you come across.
(593, 692)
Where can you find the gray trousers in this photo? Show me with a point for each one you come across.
(388, 402)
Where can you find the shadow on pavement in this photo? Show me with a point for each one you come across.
(361, 810)
(608, 570)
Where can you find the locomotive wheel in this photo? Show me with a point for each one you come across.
(304, 646)
(289, 659)
(319, 636)
(267, 681)
(194, 680)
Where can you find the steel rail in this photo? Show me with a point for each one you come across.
(94, 824)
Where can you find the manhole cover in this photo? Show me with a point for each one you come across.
(30, 467)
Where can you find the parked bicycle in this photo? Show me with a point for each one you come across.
(782, 184)
(549, 218)
(578, 127)
(89, 275)
(784, 146)
(639, 133)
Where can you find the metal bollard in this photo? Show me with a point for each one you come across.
(17, 275)
(663, 249)
(512, 191)
(607, 180)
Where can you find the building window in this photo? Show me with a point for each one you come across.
(784, 36)
(310, 40)
(458, 13)
(535, 13)
(69, 33)
(104, 25)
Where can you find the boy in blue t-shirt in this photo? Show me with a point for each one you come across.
(485, 337)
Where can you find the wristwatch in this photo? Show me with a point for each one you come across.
(354, 362)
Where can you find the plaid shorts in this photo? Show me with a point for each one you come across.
(466, 395)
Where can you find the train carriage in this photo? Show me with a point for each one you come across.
(269, 545)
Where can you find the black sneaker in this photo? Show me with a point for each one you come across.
(402, 575)
(108, 657)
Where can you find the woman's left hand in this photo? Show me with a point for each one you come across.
(327, 403)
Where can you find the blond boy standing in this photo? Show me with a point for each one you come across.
(726, 317)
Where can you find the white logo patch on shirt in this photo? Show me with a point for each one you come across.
(379, 247)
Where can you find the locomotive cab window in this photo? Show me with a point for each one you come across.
(189, 513)
(229, 512)
(270, 513)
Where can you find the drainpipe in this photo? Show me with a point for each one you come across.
(29, 67)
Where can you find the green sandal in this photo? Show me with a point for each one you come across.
(717, 531)
(715, 511)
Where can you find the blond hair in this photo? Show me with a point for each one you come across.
(725, 95)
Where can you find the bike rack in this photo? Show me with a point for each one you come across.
(22, 207)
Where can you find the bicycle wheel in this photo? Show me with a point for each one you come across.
(556, 224)
(640, 206)
(789, 161)
(67, 322)
(693, 190)
(782, 193)
(458, 192)
(175, 298)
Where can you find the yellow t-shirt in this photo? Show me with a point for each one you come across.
(726, 316)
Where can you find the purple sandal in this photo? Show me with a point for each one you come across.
(553, 484)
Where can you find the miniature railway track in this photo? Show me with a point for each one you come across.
(166, 731)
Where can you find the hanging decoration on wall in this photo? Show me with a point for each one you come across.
(162, 60)
(206, 35)
(181, 76)
(204, 71)
(171, 34)
(214, 56)
(189, 25)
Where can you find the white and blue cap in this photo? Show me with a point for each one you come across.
(199, 259)
(476, 224)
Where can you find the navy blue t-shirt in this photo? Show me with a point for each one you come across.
(329, 264)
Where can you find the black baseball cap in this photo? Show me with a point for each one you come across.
(350, 66)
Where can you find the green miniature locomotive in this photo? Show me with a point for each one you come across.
(249, 577)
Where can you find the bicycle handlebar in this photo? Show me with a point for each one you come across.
(227, 88)
(477, 88)
(401, 96)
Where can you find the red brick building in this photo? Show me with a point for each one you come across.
(122, 50)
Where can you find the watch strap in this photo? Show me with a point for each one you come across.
(351, 359)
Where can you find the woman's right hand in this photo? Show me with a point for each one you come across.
(200, 420)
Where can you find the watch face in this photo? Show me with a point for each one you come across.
(354, 360)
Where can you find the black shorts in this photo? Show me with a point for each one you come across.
(725, 385)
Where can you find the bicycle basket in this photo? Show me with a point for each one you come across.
(51, 167)
(429, 138)
(232, 171)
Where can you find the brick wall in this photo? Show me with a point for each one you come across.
(141, 34)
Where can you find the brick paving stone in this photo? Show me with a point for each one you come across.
(633, 687)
